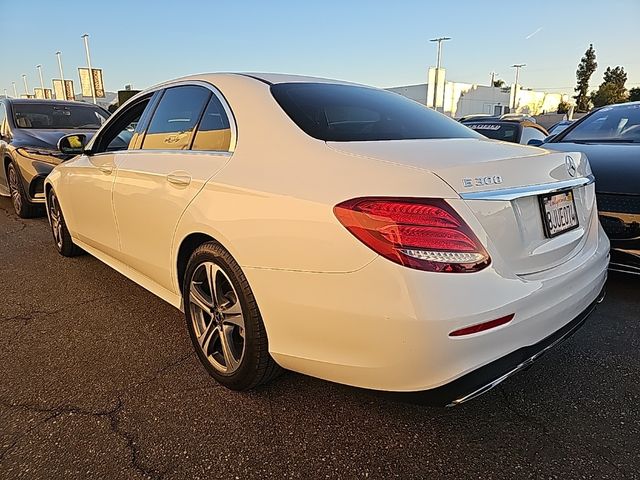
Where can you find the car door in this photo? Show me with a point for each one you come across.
(88, 183)
(4, 137)
(156, 182)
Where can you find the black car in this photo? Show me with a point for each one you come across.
(515, 131)
(29, 133)
(610, 137)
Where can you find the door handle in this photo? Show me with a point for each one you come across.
(108, 169)
(179, 178)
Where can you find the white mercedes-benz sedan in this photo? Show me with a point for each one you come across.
(337, 230)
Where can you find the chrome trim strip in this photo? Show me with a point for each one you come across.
(526, 363)
(509, 194)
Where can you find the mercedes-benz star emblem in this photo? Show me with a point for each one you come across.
(571, 166)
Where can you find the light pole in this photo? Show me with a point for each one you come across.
(15, 90)
(438, 62)
(517, 66)
(86, 47)
(493, 78)
(26, 87)
(5, 93)
(64, 89)
(39, 67)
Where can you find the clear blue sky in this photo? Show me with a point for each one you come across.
(382, 43)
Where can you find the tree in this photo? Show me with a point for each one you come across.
(634, 94)
(612, 89)
(499, 83)
(586, 67)
(563, 107)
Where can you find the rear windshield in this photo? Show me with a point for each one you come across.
(346, 113)
(507, 132)
(52, 117)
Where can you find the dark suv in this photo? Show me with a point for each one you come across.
(29, 133)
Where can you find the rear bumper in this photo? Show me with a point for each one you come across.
(485, 378)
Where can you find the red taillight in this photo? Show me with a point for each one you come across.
(481, 327)
(425, 234)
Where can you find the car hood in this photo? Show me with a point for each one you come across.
(615, 166)
(45, 138)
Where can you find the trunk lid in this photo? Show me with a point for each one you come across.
(476, 168)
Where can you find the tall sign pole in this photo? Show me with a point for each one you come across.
(26, 86)
(517, 66)
(85, 37)
(64, 90)
(439, 40)
(39, 67)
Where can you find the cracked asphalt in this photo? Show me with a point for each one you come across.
(98, 380)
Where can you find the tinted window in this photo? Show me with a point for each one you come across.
(53, 116)
(345, 113)
(176, 116)
(214, 132)
(507, 132)
(619, 123)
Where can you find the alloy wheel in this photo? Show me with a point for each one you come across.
(14, 188)
(217, 317)
(56, 220)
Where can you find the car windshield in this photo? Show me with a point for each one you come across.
(559, 127)
(619, 124)
(53, 117)
(346, 113)
(507, 132)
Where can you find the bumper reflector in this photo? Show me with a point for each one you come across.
(481, 327)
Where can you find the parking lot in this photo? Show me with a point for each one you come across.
(99, 380)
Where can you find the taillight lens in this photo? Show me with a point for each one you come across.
(425, 234)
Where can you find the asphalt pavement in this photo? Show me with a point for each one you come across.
(98, 380)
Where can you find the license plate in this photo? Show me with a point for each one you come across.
(558, 213)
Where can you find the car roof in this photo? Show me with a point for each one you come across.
(33, 101)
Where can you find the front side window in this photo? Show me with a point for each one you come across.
(214, 131)
(118, 134)
(346, 113)
(175, 118)
(3, 117)
(50, 116)
(609, 124)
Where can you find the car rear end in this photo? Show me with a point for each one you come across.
(468, 287)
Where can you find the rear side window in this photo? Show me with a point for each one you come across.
(175, 118)
(345, 113)
(507, 132)
(214, 131)
(530, 133)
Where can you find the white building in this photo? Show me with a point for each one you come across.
(462, 99)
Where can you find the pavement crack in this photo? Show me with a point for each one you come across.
(32, 314)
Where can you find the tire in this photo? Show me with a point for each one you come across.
(61, 236)
(226, 328)
(21, 204)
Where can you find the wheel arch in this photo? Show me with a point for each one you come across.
(186, 248)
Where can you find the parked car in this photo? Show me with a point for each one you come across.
(515, 131)
(560, 127)
(337, 230)
(610, 137)
(29, 133)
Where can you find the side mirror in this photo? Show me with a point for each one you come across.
(536, 142)
(72, 144)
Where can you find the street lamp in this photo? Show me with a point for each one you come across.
(15, 90)
(64, 90)
(26, 87)
(86, 47)
(5, 93)
(39, 68)
(517, 66)
(439, 40)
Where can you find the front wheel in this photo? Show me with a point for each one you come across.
(21, 204)
(224, 321)
(61, 235)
